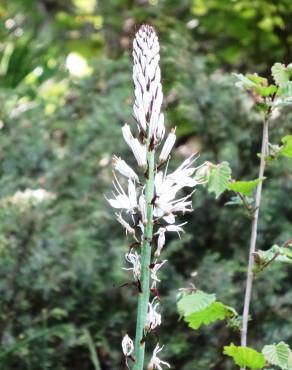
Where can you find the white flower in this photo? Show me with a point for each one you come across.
(123, 201)
(166, 207)
(155, 362)
(154, 270)
(175, 228)
(127, 346)
(143, 208)
(161, 236)
(160, 241)
(153, 318)
(167, 146)
(134, 259)
(125, 224)
(182, 175)
(124, 169)
(163, 185)
(167, 186)
(180, 205)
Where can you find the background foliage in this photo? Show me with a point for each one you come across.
(65, 91)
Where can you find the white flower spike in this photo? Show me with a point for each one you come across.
(147, 81)
(155, 362)
(153, 205)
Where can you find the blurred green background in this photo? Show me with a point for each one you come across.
(65, 91)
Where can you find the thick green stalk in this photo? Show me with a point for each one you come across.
(145, 269)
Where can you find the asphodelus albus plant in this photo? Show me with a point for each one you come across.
(147, 202)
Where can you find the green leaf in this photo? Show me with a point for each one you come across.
(245, 356)
(286, 149)
(258, 80)
(195, 302)
(265, 91)
(244, 187)
(287, 252)
(215, 311)
(280, 74)
(277, 354)
(275, 253)
(219, 178)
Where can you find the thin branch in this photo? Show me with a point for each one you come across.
(253, 238)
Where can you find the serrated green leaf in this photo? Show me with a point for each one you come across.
(214, 312)
(219, 178)
(245, 357)
(277, 354)
(286, 149)
(244, 187)
(194, 302)
(280, 74)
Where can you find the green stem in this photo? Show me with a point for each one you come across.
(253, 238)
(145, 270)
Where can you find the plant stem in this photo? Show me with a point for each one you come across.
(253, 238)
(145, 270)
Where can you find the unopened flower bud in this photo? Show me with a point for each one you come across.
(168, 145)
(123, 168)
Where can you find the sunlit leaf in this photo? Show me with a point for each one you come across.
(244, 187)
(219, 178)
(245, 356)
(280, 74)
(194, 302)
(286, 149)
(277, 354)
(214, 312)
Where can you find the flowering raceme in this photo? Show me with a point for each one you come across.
(149, 207)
